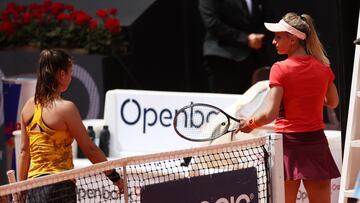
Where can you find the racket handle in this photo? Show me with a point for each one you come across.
(12, 179)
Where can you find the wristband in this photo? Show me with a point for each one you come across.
(251, 123)
(114, 176)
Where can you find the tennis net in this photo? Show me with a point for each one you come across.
(233, 172)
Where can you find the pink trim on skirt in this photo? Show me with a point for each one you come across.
(307, 156)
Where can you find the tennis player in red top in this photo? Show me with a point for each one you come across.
(300, 86)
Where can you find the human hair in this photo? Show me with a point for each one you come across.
(312, 44)
(50, 62)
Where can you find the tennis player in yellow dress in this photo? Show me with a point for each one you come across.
(49, 124)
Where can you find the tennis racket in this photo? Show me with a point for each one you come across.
(201, 122)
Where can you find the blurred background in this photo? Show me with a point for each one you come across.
(157, 45)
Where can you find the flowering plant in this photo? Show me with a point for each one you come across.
(57, 25)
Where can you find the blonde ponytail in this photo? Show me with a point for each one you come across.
(312, 44)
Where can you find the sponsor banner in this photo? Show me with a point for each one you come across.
(141, 122)
(16, 91)
(11, 103)
(97, 191)
(238, 186)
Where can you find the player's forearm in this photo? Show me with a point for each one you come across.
(264, 119)
(24, 163)
(268, 115)
(331, 103)
(94, 154)
(332, 97)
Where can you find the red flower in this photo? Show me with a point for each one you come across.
(102, 13)
(63, 16)
(56, 8)
(46, 4)
(113, 11)
(42, 24)
(27, 18)
(5, 15)
(81, 17)
(113, 25)
(69, 7)
(7, 27)
(33, 7)
(21, 9)
(93, 24)
(10, 10)
(17, 16)
(39, 17)
(37, 11)
(11, 7)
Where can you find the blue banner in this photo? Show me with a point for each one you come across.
(11, 106)
(238, 186)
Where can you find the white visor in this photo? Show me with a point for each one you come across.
(282, 26)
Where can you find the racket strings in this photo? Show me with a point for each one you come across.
(201, 122)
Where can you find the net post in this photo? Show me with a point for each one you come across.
(277, 168)
(125, 179)
(12, 179)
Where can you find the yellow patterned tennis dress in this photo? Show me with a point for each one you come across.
(50, 150)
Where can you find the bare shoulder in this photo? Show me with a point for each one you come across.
(67, 108)
(69, 113)
(29, 103)
(68, 104)
(28, 110)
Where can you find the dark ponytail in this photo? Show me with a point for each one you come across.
(50, 62)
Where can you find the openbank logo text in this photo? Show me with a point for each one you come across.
(150, 117)
(100, 193)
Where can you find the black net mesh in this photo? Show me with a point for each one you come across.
(140, 175)
(90, 188)
(91, 185)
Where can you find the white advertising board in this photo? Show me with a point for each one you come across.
(140, 122)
